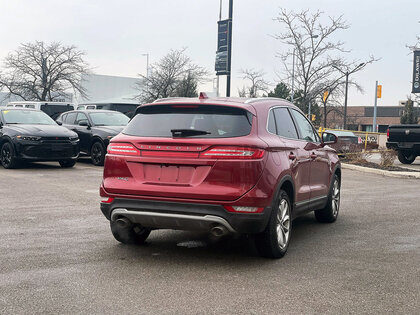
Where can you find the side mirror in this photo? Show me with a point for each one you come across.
(84, 123)
(328, 138)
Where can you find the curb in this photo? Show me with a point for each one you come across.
(397, 174)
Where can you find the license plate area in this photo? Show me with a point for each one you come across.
(169, 174)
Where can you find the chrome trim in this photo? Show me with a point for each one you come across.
(300, 203)
(196, 218)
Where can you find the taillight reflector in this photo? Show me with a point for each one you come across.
(232, 153)
(244, 209)
(123, 149)
(387, 133)
(107, 199)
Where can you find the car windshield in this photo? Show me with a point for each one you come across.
(29, 117)
(109, 119)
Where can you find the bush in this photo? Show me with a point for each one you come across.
(387, 157)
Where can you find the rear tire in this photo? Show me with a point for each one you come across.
(67, 163)
(128, 233)
(274, 241)
(7, 156)
(405, 158)
(329, 213)
(97, 153)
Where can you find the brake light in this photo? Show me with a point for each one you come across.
(123, 149)
(244, 209)
(232, 153)
(387, 133)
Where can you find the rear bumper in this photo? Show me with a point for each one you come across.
(406, 146)
(184, 216)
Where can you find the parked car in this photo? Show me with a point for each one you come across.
(125, 108)
(405, 139)
(95, 128)
(219, 165)
(347, 141)
(31, 135)
(52, 109)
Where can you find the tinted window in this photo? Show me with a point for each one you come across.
(285, 126)
(55, 110)
(23, 116)
(80, 117)
(271, 123)
(219, 121)
(306, 130)
(70, 118)
(109, 119)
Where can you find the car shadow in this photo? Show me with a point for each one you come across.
(166, 246)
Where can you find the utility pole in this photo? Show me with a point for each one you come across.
(345, 101)
(374, 108)
(220, 18)
(229, 48)
(147, 70)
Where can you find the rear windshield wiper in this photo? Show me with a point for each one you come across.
(188, 132)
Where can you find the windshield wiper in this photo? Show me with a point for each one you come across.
(188, 132)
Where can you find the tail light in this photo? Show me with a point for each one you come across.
(123, 149)
(232, 153)
(244, 209)
(387, 134)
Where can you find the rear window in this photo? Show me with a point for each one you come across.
(216, 121)
(55, 110)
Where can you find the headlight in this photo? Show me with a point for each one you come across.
(28, 138)
(74, 138)
(110, 137)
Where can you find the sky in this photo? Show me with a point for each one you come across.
(116, 34)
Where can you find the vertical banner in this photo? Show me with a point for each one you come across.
(416, 72)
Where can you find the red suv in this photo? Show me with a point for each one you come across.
(224, 165)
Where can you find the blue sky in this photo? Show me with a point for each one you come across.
(114, 35)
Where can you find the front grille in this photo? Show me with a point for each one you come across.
(53, 140)
(50, 151)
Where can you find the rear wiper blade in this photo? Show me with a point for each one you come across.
(188, 132)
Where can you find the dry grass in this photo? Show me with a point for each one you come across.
(354, 154)
(387, 157)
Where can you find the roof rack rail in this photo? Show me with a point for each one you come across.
(166, 99)
(261, 99)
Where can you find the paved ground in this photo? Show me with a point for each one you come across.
(376, 158)
(57, 255)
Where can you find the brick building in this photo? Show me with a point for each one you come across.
(361, 117)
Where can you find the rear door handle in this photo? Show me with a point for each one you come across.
(313, 155)
(292, 156)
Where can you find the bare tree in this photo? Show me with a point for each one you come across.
(257, 83)
(314, 61)
(45, 72)
(174, 75)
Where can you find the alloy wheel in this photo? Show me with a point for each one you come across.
(6, 155)
(96, 153)
(335, 200)
(283, 224)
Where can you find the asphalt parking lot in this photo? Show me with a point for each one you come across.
(57, 255)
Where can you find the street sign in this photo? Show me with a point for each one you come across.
(222, 54)
(325, 96)
(222, 35)
(379, 91)
(416, 72)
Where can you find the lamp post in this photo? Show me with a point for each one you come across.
(147, 71)
(346, 74)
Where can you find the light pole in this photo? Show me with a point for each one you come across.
(147, 71)
(220, 18)
(346, 74)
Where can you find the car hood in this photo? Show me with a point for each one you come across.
(112, 130)
(42, 130)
